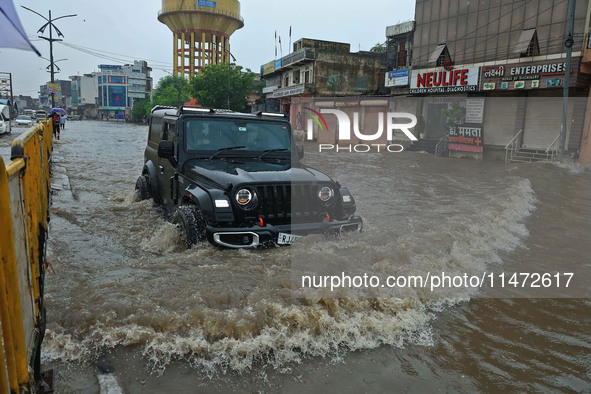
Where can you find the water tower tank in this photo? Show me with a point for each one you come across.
(202, 31)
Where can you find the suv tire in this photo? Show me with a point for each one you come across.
(142, 186)
(189, 220)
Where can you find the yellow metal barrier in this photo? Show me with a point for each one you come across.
(24, 212)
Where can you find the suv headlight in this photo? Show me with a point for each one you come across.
(247, 199)
(325, 194)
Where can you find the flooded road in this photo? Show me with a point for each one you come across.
(207, 319)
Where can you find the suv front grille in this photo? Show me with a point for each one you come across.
(290, 202)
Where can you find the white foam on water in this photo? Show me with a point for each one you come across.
(269, 328)
(165, 239)
(126, 200)
(573, 167)
(295, 333)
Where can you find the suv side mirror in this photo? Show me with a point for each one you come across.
(166, 149)
(300, 149)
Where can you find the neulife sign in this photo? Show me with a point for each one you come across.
(452, 81)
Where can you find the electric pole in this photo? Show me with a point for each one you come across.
(229, 77)
(51, 41)
(569, 51)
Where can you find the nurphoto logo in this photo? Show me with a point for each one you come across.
(389, 122)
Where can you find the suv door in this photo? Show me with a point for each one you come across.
(166, 169)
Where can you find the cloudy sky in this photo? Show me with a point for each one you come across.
(117, 32)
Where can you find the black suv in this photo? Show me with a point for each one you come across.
(235, 180)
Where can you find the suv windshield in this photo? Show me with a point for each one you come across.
(256, 136)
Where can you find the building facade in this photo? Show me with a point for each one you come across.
(62, 93)
(24, 102)
(120, 86)
(399, 51)
(318, 68)
(84, 95)
(504, 63)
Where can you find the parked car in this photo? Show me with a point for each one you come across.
(233, 179)
(24, 120)
(41, 115)
(5, 126)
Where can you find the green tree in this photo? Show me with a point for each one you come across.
(172, 91)
(454, 115)
(379, 48)
(140, 109)
(211, 87)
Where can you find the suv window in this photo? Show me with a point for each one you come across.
(156, 129)
(214, 134)
(171, 134)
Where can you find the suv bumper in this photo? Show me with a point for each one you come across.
(252, 237)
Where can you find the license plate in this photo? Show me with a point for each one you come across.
(287, 239)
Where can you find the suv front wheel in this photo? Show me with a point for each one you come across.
(188, 218)
(142, 187)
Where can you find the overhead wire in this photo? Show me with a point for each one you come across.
(428, 54)
(550, 44)
(116, 57)
(76, 46)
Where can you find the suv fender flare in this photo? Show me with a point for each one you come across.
(199, 197)
(150, 170)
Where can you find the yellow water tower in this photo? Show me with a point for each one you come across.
(202, 31)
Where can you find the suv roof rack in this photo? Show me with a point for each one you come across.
(158, 107)
(275, 114)
(185, 109)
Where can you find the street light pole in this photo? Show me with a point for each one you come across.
(569, 50)
(51, 41)
(51, 63)
(229, 88)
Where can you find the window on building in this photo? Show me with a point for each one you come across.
(402, 55)
(441, 57)
(397, 52)
(286, 82)
(307, 77)
(528, 45)
(296, 77)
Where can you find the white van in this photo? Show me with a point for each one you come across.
(5, 119)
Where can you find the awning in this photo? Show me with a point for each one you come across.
(436, 53)
(525, 39)
(12, 34)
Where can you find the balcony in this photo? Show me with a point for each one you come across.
(297, 57)
(294, 90)
(293, 59)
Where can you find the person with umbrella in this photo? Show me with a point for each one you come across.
(55, 117)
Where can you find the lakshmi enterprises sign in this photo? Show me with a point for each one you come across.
(534, 75)
(460, 80)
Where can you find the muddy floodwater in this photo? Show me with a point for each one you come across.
(210, 320)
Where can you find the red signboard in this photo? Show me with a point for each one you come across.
(466, 138)
(445, 81)
(466, 148)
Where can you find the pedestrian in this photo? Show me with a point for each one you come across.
(55, 117)
(63, 121)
